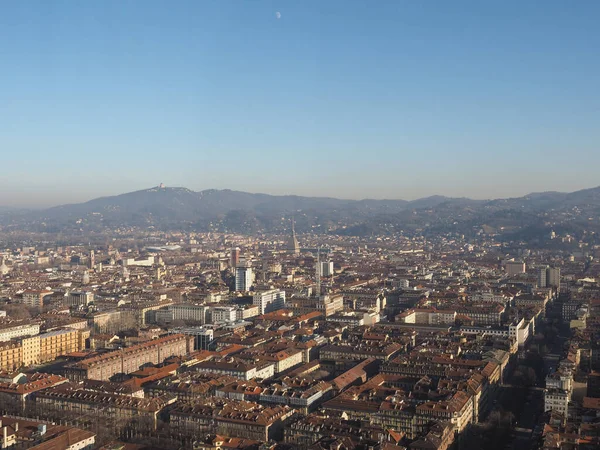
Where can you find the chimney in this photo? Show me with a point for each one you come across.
(16, 426)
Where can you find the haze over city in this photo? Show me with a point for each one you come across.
(299, 225)
(347, 99)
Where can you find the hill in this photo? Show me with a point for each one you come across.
(235, 211)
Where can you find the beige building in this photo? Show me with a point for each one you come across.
(61, 342)
(33, 298)
(10, 356)
(31, 350)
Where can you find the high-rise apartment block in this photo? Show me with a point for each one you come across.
(244, 278)
(549, 277)
(326, 268)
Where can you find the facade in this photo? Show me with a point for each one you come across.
(326, 268)
(61, 342)
(244, 278)
(183, 311)
(231, 418)
(80, 298)
(31, 350)
(17, 329)
(34, 299)
(247, 312)
(234, 258)
(41, 348)
(268, 301)
(549, 277)
(128, 360)
(222, 314)
(10, 356)
(237, 369)
(73, 399)
(514, 268)
(203, 337)
(556, 400)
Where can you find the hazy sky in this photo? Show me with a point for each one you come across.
(395, 99)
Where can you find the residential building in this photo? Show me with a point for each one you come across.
(244, 278)
(268, 301)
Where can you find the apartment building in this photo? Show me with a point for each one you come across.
(458, 411)
(73, 399)
(128, 360)
(10, 356)
(268, 301)
(237, 368)
(11, 330)
(556, 400)
(61, 342)
(230, 418)
(34, 298)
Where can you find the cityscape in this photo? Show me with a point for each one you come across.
(299, 225)
(139, 338)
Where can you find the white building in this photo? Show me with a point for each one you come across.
(326, 268)
(222, 314)
(186, 311)
(11, 331)
(244, 278)
(142, 262)
(268, 301)
(556, 400)
(247, 313)
(78, 298)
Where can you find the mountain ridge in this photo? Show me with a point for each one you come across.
(228, 210)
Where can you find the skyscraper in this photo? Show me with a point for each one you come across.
(244, 278)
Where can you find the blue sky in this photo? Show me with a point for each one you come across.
(355, 99)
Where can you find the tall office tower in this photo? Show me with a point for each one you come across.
(293, 244)
(270, 300)
(243, 278)
(234, 260)
(92, 259)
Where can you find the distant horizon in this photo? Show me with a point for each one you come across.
(408, 199)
